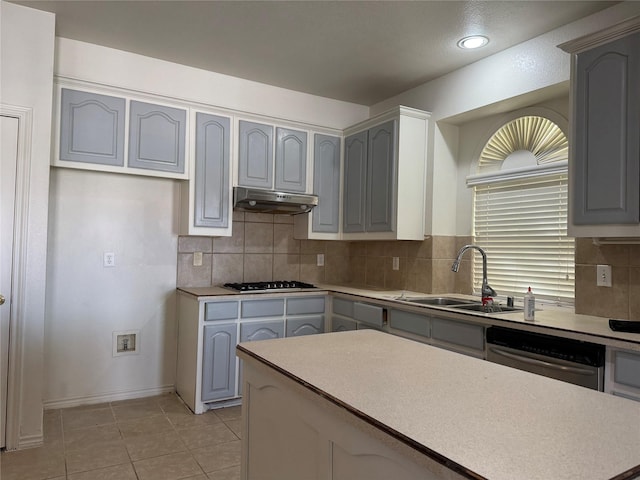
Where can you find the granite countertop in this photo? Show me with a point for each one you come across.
(490, 420)
(550, 319)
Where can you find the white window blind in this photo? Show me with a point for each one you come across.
(522, 225)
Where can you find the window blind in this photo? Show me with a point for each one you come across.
(522, 225)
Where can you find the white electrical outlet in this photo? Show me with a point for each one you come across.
(109, 259)
(320, 262)
(197, 259)
(603, 275)
(396, 263)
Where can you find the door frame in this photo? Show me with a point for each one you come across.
(17, 320)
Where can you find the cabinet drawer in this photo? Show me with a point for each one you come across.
(221, 311)
(371, 314)
(458, 333)
(253, 331)
(627, 369)
(343, 307)
(410, 322)
(339, 324)
(309, 325)
(263, 308)
(301, 306)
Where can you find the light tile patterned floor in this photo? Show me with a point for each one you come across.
(154, 438)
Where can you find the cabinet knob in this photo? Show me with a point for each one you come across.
(1, 299)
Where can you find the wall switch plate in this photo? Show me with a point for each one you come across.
(396, 263)
(603, 275)
(197, 259)
(109, 259)
(320, 262)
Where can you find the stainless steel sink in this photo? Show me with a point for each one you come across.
(443, 301)
(492, 309)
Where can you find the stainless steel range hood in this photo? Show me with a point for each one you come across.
(267, 201)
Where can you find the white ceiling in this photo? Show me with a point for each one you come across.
(357, 51)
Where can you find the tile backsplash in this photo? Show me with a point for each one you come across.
(263, 248)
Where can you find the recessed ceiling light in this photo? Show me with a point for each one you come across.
(474, 41)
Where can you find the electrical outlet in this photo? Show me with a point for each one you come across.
(109, 259)
(197, 259)
(320, 261)
(603, 275)
(396, 263)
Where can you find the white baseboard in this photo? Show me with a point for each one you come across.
(30, 441)
(107, 397)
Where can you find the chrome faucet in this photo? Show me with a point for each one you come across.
(487, 292)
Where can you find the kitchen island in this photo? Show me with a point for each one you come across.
(368, 405)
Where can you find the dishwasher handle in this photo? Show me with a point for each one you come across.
(541, 363)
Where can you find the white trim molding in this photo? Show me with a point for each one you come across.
(108, 397)
(15, 379)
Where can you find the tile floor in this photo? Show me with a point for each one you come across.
(155, 438)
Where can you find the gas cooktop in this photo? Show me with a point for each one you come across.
(273, 286)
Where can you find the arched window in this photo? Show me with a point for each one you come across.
(520, 210)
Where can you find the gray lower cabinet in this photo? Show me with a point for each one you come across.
(92, 128)
(307, 325)
(291, 160)
(622, 373)
(157, 135)
(305, 316)
(255, 156)
(351, 315)
(369, 179)
(410, 322)
(326, 183)
(263, 330)
(219, 362)
(340, 324)
(212, 171)
(459, 336)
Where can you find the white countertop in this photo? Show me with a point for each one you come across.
(553, 320)
(496, 421)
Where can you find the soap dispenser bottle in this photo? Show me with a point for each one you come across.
(529, 305)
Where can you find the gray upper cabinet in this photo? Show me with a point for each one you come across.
(92, 128)
(157, 137)
(326, 183)
(381, 184)
(255, 162)
(212, 171)
(291, 160)
(607, 145)
(355, 171)
(369, 188)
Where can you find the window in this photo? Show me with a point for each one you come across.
(520, 211)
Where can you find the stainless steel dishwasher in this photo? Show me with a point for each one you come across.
(573, 361)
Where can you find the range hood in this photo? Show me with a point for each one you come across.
(267, 201)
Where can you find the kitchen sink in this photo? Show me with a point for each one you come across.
(442, 301)
(495, 308)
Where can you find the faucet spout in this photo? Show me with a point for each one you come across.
(487, 292)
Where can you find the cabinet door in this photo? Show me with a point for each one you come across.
(340, 324)
(91, 128)
(305, 305)
(211, 202)
(307, 325)
(250, 332)
(255, 162)
(355, 175)
(606, 160)
(326, 183)
(458, 333)
(380, 193)
(157, 137)
(291, 160)
(219, 362)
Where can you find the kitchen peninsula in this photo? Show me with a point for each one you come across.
(364, 404)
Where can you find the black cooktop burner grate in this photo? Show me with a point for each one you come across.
(264, 286)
